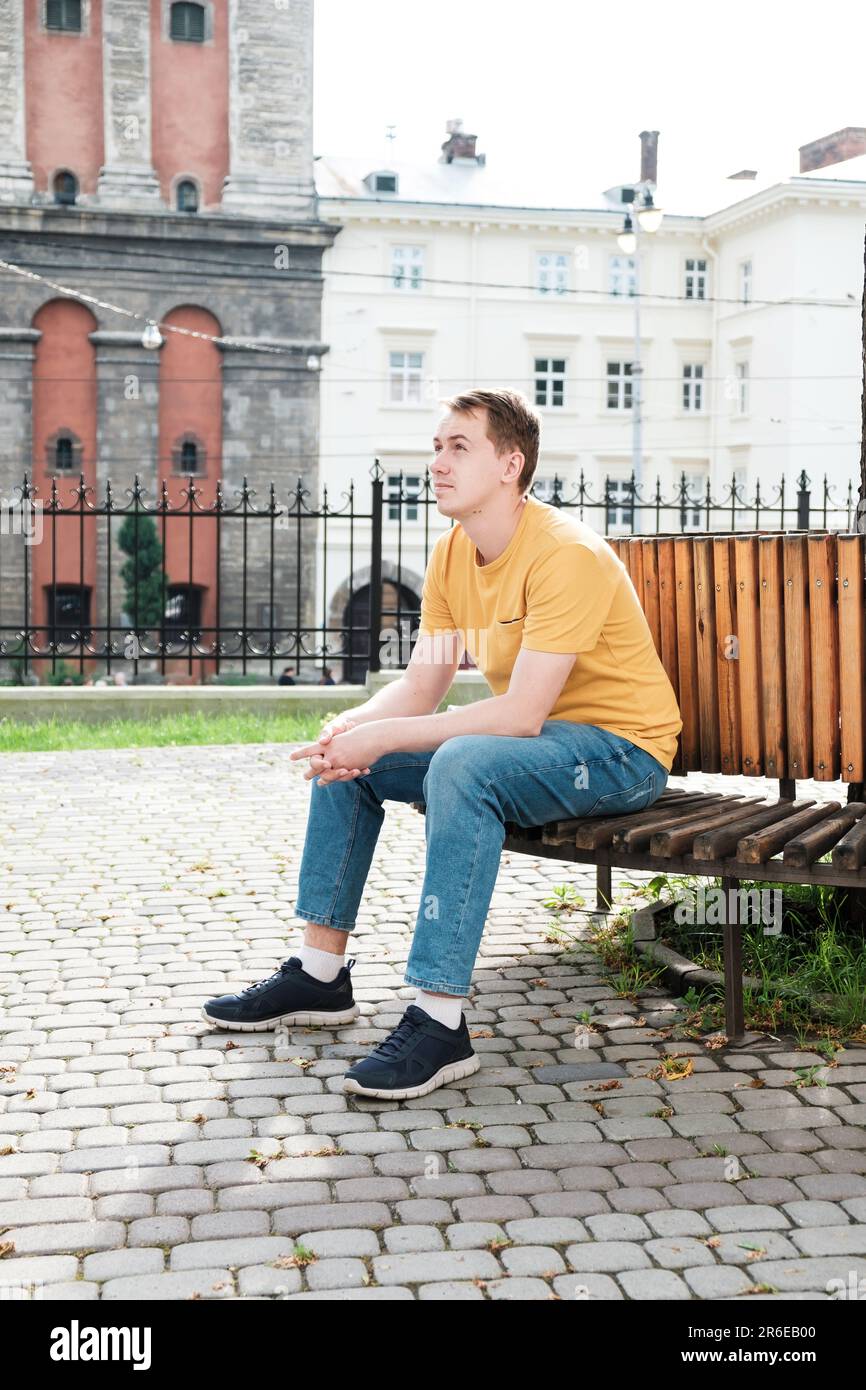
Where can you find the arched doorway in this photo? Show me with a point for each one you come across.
(401, 613)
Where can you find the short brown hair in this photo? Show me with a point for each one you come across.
(511, 424)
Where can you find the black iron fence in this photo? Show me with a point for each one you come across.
(247, 583)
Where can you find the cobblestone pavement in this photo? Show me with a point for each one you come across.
(143, 1155)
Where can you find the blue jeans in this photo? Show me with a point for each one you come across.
(471, 785)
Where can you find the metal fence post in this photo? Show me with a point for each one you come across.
(378, 490)
(803, 502)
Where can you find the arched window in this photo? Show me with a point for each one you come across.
(187, 196)
(63, 452)
(64, 455)
(187, 22)
(63, 14)
(189, 456)
(65, 188)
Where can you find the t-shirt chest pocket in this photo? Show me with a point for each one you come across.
(507, 637)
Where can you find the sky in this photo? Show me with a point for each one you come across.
(562, 88)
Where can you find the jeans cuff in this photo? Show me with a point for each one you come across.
(437, 986)
(318, 920)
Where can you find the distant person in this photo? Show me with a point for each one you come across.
(326, 678)
(286, 677)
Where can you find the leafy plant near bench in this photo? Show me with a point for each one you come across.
(812, 973)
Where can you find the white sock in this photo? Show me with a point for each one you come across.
(445, 1009)
(322, 965)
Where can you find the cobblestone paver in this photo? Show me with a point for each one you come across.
(143, 1155)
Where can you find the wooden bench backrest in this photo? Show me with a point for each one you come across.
(762, 638)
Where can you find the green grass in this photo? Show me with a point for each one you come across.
(168, 731)
(819, 957)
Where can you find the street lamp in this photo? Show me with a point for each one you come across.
(646, 221)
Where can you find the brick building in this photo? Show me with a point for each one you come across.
(157, 156)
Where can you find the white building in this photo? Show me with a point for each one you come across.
(448, 277)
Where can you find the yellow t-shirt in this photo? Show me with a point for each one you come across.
(557, 587)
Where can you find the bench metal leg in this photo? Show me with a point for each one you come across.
(733, 947)
(603, 888)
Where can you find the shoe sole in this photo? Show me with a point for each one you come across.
(455, 1071)
(297, 1020)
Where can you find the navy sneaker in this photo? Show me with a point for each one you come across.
(291, 996)
(418, 1056)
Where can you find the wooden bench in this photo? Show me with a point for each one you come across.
(762, 637)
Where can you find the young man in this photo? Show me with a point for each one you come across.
(582, 721)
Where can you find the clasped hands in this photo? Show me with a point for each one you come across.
(343, 750)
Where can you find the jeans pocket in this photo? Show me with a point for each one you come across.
(625, 799)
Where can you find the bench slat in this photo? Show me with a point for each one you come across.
(749, 653)
(824, 657)
(593, 831)
(705, 624)
(668, 842)
(772, 657)
(668, 611)
(802, 851)
(850, 852)
(757, 848)
(632, 837)
(716, 844)
(798, 662)
(651, 606)
(687, 656)
(852, 666)
(727, 670)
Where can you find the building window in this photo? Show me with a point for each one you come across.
(551, 272)
(187, 196)
(619, 512)
(746, 281)
(693, 386)
(411, 487)
(63, 454)
(182, 621)
(622, 276)
(545, 488)
(694, 494)
(742, 398)
(696, 279)
(407, 267)
(619, 385)
(188, 455)
(405, 370)
(550, 381)
(381, 181)
(65, 188)
(64, 15)
(69, 613)
(187, 22)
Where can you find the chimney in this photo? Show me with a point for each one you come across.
(649, 153)
(832, 149)
(459, 145)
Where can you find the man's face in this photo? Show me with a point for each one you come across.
(466, 471)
